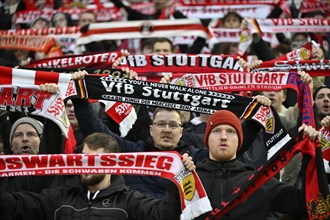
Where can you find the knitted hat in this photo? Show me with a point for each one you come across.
(26, 120)
(223, 117)
(318, 89)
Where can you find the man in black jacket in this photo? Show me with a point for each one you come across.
(88, 196)
(221, 173)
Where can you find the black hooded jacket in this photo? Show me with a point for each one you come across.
(221, 178)
(71, 202)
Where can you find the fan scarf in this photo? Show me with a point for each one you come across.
(261, 81)
(142, 29)
(317, 5)
(186, 98)
(34, 43)
(317, 193)
(36, 102)
(206, 101)
(102, 14)
(145, 63)
(280, 25)
(218, 9)
(194, 200)
(76, 61)
(122, 113)
(313, 67)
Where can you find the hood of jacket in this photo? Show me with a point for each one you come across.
(117, 184)
(233, 166)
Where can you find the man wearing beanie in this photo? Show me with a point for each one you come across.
(221, 173)
(25, 136)
(29, 136)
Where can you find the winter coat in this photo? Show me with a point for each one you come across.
(220, 180)
(71, 202)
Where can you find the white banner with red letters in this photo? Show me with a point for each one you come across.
(280, 25)
(124, 115)
(219, 11)
(102, 14)
(194, 200)
(36, 102)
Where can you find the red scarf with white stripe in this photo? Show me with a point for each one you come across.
(142, 29)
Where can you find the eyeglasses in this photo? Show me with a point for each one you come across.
(171, 125)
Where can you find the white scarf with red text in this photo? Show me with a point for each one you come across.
(194, 200)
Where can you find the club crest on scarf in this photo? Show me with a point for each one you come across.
(187, 183)
(319, 209)
(146, 28)
(265, 117)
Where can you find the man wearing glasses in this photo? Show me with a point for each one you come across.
(165, 134)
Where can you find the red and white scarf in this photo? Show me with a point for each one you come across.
(218, 9)
(197, 100)
(143, 29)
(194, 200)
(36, 102)
(102, 14)
(34, 43)
(280, 25)
(105, 59)
(325, 142)
(124, 115)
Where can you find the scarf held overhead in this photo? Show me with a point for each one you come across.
(123, 114)
(177, 97)
(36, 102)
(193, 99)
(194, 200)
(142, 29)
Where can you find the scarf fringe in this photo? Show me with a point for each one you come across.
(196, 208)
(126, 125)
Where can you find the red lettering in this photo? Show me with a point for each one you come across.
(24, 94)
(164, 163)
(126, 160)
(35, 162)
(139, 160)
(6, 96)
(14, 163)
(275, 21)
(199, 79)
(41, 96)
(74, 160)
(91, 159)
(261, 115)
(2, 164)
(150, 161)
(212, 80)
(56, 160)
(266, 78)
(302, 21)
(222, 78)
(108, 160)
(274, 78)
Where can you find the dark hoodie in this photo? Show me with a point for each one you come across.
(221, 178)
(71, 202)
